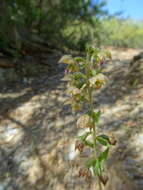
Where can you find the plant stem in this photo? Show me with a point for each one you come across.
(99, 183)
(91, 108)
(94, 127)
(94, 140)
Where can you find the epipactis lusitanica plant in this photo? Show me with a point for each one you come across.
(84, 77)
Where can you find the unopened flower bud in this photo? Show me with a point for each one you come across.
(79, 146)
(103, 179)
(85, 173)
(112, 140)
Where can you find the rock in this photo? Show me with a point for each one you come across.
(136, 58)
(35, 172)
(10, 134)
(135, 73)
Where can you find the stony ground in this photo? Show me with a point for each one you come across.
(37, 132)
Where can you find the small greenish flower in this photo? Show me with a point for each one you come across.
(79, 146)
(85, 173)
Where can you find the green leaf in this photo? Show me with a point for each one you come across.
(84, 136)
(91, 162)
(93, 72)
(102, 141)
(79, 59)
(78, 83)
(103, 156)
(95, 116)
(83, 66)
(104, 137)
(108, 54)
(90, 50)
(88, 143)
(97, 167)
(98, 71)
(82, 98)
(79, 75)
(73, 67)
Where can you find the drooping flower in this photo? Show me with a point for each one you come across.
(112, 140)
(67, 59)
(79, 146)
(97, 80)
(85, 173)
(74, 91)
(85, 121)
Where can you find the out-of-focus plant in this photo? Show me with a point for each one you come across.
(122, 33)
(85, 76)
(79, 35)
(47, 20)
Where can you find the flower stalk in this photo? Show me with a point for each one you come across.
(85, 77)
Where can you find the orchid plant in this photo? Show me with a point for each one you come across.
(85, 76)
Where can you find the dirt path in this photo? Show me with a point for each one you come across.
(37, 132)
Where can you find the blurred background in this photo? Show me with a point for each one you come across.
(70, 24)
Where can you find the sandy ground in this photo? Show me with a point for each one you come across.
(37, 132)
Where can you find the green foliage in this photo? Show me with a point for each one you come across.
(79, 72)
(122, 33)
(63, 22)
(79, 35)
(16, 19)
